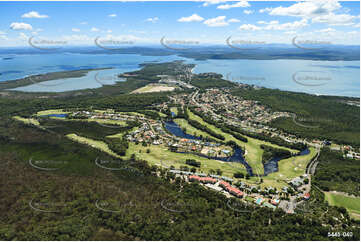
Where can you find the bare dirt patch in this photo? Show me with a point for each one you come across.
(154, 88)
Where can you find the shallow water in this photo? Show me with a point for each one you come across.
(342, 77)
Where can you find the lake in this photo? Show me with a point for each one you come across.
(340, 78)
(314, 77)
(237, 156)
(272, 165)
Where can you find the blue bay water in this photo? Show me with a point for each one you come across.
(343, 76)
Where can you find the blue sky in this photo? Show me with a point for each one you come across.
(211, 22)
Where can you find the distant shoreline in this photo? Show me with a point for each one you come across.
(49, 76)
(270, 52)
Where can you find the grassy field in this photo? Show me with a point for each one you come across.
(190, 129)
(93, 143)
(27, 120)
(293, 166)
(174, 110)
(253, 150)
(50, 111)
(288, 168)
(352, 204)
(160, 153)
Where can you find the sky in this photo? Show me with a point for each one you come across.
(198, 22)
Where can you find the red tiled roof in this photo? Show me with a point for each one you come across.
(226, 184)
(194, 177)
(208, 179)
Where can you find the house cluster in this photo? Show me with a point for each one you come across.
(175, 80)
(351, 152)
(188, 173)
(269, 203)
(227, 187)
(298, 183)
(204, 180)
(232, 190)
(237, 109)
(223, 184)
(197, 146)
(153, 132)
(248, 114)
(108, 114)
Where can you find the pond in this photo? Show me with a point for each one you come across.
(272, 165)
(58, 115)
(174, 129)
(237, 156)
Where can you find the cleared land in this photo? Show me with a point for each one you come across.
(254, 152)
(154, 88)
(50, 111)
(352, 204)
(288, 168)
(161, 156)
(27, 120)
(190, 129)
(160, 153)
(93, 143)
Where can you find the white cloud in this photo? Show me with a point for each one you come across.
(23, 36)
(353, 32)
(275, 25)
(2, 33)
(328, 30)
(193, 18)
(291, 32)
(307, 9)
(153, 20)
(20, 26)
(249, 27)
(234, 20)
(247, 11)
(109, 31)
(83, 23)
(321, 11)
(211, 2)
(263, 10)
(75, 30)
(216, 22)
(240, 4)
(94, 29)
(34, 14)
(268, 23)
(113, 15)
(36, 31)
(335, 19)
